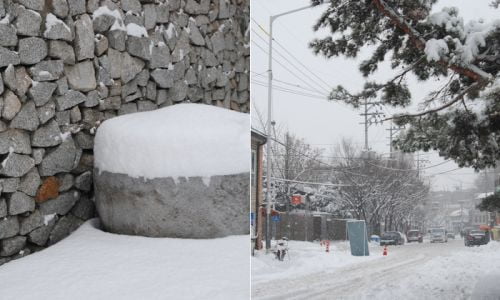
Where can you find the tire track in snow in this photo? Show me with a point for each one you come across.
(348, 281)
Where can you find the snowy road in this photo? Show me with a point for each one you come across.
(412, 271)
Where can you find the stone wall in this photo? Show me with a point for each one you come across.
(67, 65)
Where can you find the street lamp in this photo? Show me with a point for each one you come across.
(269, 120)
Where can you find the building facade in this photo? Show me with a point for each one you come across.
(256, 195)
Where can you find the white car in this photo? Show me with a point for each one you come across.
(438, 235)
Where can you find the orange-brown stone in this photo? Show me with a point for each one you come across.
(48, 190)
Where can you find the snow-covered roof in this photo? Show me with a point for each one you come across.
(458, 213)
(484, 195)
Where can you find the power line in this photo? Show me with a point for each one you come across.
(395, 169)
(293, 56)
(288, 52)
(289, 83)
(444, 172)
(281, 64)
(309, 182)
(334, 168)
(283, 57)
(293, 65)
(289, 91)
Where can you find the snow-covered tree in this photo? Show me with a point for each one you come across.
(490, 203)
(485, 181)
(461, 120)
(378, 189)
(292, 160)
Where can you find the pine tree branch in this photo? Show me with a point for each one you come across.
(458, 98)
(419, 42)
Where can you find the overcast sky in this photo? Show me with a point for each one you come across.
(320, 122)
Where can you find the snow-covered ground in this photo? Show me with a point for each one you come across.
(92, 264)
(305, 258)
(413, 271)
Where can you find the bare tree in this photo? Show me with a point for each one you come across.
(377, 189)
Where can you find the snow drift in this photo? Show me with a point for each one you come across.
(92, 264)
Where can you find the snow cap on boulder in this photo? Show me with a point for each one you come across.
(182, 140)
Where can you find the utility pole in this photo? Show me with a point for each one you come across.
(496, 185)
(418, 164)
(287, 176)
(370, 118)
(418, 160)
(393, 130)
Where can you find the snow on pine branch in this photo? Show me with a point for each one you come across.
(436, 49)
(467, 41)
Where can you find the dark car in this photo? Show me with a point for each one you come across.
(414, 236)
(392, 238)
(476, 237)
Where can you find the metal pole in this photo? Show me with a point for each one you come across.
(418, 164)
(366, 124)
(269, 120)
(287, 176)
(306, 227)
(390, 141)
(288, 196)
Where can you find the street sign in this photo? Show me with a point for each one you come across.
(252, 218)
(276, 218)
(296, 199)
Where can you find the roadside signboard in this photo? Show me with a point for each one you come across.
(296, 199)
(358, 238)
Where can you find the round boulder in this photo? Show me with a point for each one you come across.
(180, 171)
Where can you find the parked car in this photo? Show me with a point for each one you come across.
(476, 237)
(465, 231)
(392, 238)
(450, 235)
(414, 236)
(375, 238)
(438, 235)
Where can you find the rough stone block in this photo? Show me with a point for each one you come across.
(12, 245)
(81, 77)
(30, 182)
(16, 165)
(31, 222)
(20, 203)
(28, 22)
(16, 140)
(61, 159)
(9, 227)
(146, 203)
(222, 212)
(63, 228)
(8, 57)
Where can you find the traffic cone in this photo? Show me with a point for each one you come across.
(385, 251)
